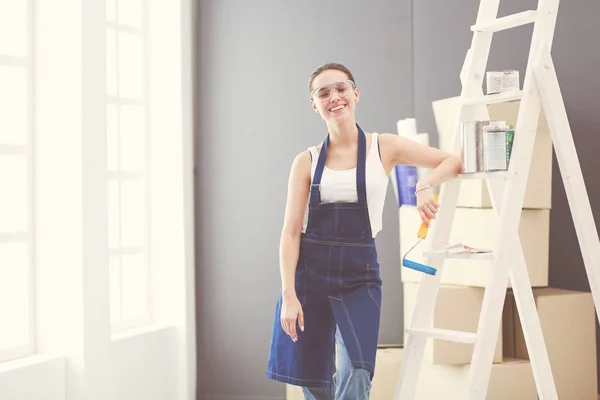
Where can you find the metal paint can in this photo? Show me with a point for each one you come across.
(471, 146)
(510, 137)
(495, 149)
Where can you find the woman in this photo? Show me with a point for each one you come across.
(331, 287)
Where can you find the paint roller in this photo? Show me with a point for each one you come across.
(421, 234)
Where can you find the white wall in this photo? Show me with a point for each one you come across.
(38, 377)
(77, 357)
(145, 367)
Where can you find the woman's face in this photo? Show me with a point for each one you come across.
(334, 96)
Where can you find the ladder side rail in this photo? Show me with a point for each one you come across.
(570, 168)
(440, 233)
(424, 306)
(523, 294)
(474, 66)
(471, 79)
(512, 202)
(426, 296)
(510, 213)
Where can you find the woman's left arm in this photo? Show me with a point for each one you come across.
(444, 166)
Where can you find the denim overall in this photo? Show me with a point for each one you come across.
(337, 282)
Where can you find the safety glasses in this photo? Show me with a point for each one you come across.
(324, 93)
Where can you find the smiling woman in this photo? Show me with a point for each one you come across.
(331, 285)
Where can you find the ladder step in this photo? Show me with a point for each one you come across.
(443, 334)
(483, 175)
(508, 22)
(462, 256)
(492, 98)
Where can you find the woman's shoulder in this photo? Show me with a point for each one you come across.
(302, 161)
(303, 156)
(387, 137)
(389, 141)
(301, 167)
(388, 147)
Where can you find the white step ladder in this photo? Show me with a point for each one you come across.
(507, 192)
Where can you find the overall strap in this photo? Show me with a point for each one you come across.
(361, 174)
(315, 193)
(361, 186)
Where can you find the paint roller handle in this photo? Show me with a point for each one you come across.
(424, 228)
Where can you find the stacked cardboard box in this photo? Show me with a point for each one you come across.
(475, 223)
(567, 318)
(573, 360)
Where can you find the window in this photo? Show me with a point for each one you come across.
(128, 180)
(16, 210)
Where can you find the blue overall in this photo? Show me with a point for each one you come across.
(337, 282)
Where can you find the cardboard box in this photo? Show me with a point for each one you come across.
(293, 392)
(474, 193)
(387, 372)
(511, 379)
(477, 227)
(569, 327)
(568, 320)
(457, 308)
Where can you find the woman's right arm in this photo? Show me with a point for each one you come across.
(289, 247)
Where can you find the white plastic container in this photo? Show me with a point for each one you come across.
(502, 81)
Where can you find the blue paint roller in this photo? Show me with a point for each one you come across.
(421, 234)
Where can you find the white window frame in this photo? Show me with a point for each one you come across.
(119, 101)
(26, 150)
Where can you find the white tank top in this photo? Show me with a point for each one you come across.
(340, 186)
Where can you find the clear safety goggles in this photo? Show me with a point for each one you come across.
(324, 93)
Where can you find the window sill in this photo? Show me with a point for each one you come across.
(141, 331)
(29, 361)
(42, 358)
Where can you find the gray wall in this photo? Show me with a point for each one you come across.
(253, 62)
(254, 59)
(576, 57)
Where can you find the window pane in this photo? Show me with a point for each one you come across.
(135, 286)
(111, 10)
(132, 132)
(13, 201)
(133, 213)
(13, 27)
(14, 295)
(13, 104)
(114, 214)
(115, 289)
(112, 138)
(131, 61)
(131, 12)
(111, 62)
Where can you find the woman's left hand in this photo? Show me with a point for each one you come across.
(426, 204)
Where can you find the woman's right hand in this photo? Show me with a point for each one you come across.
(291, 311)
(426, 204)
